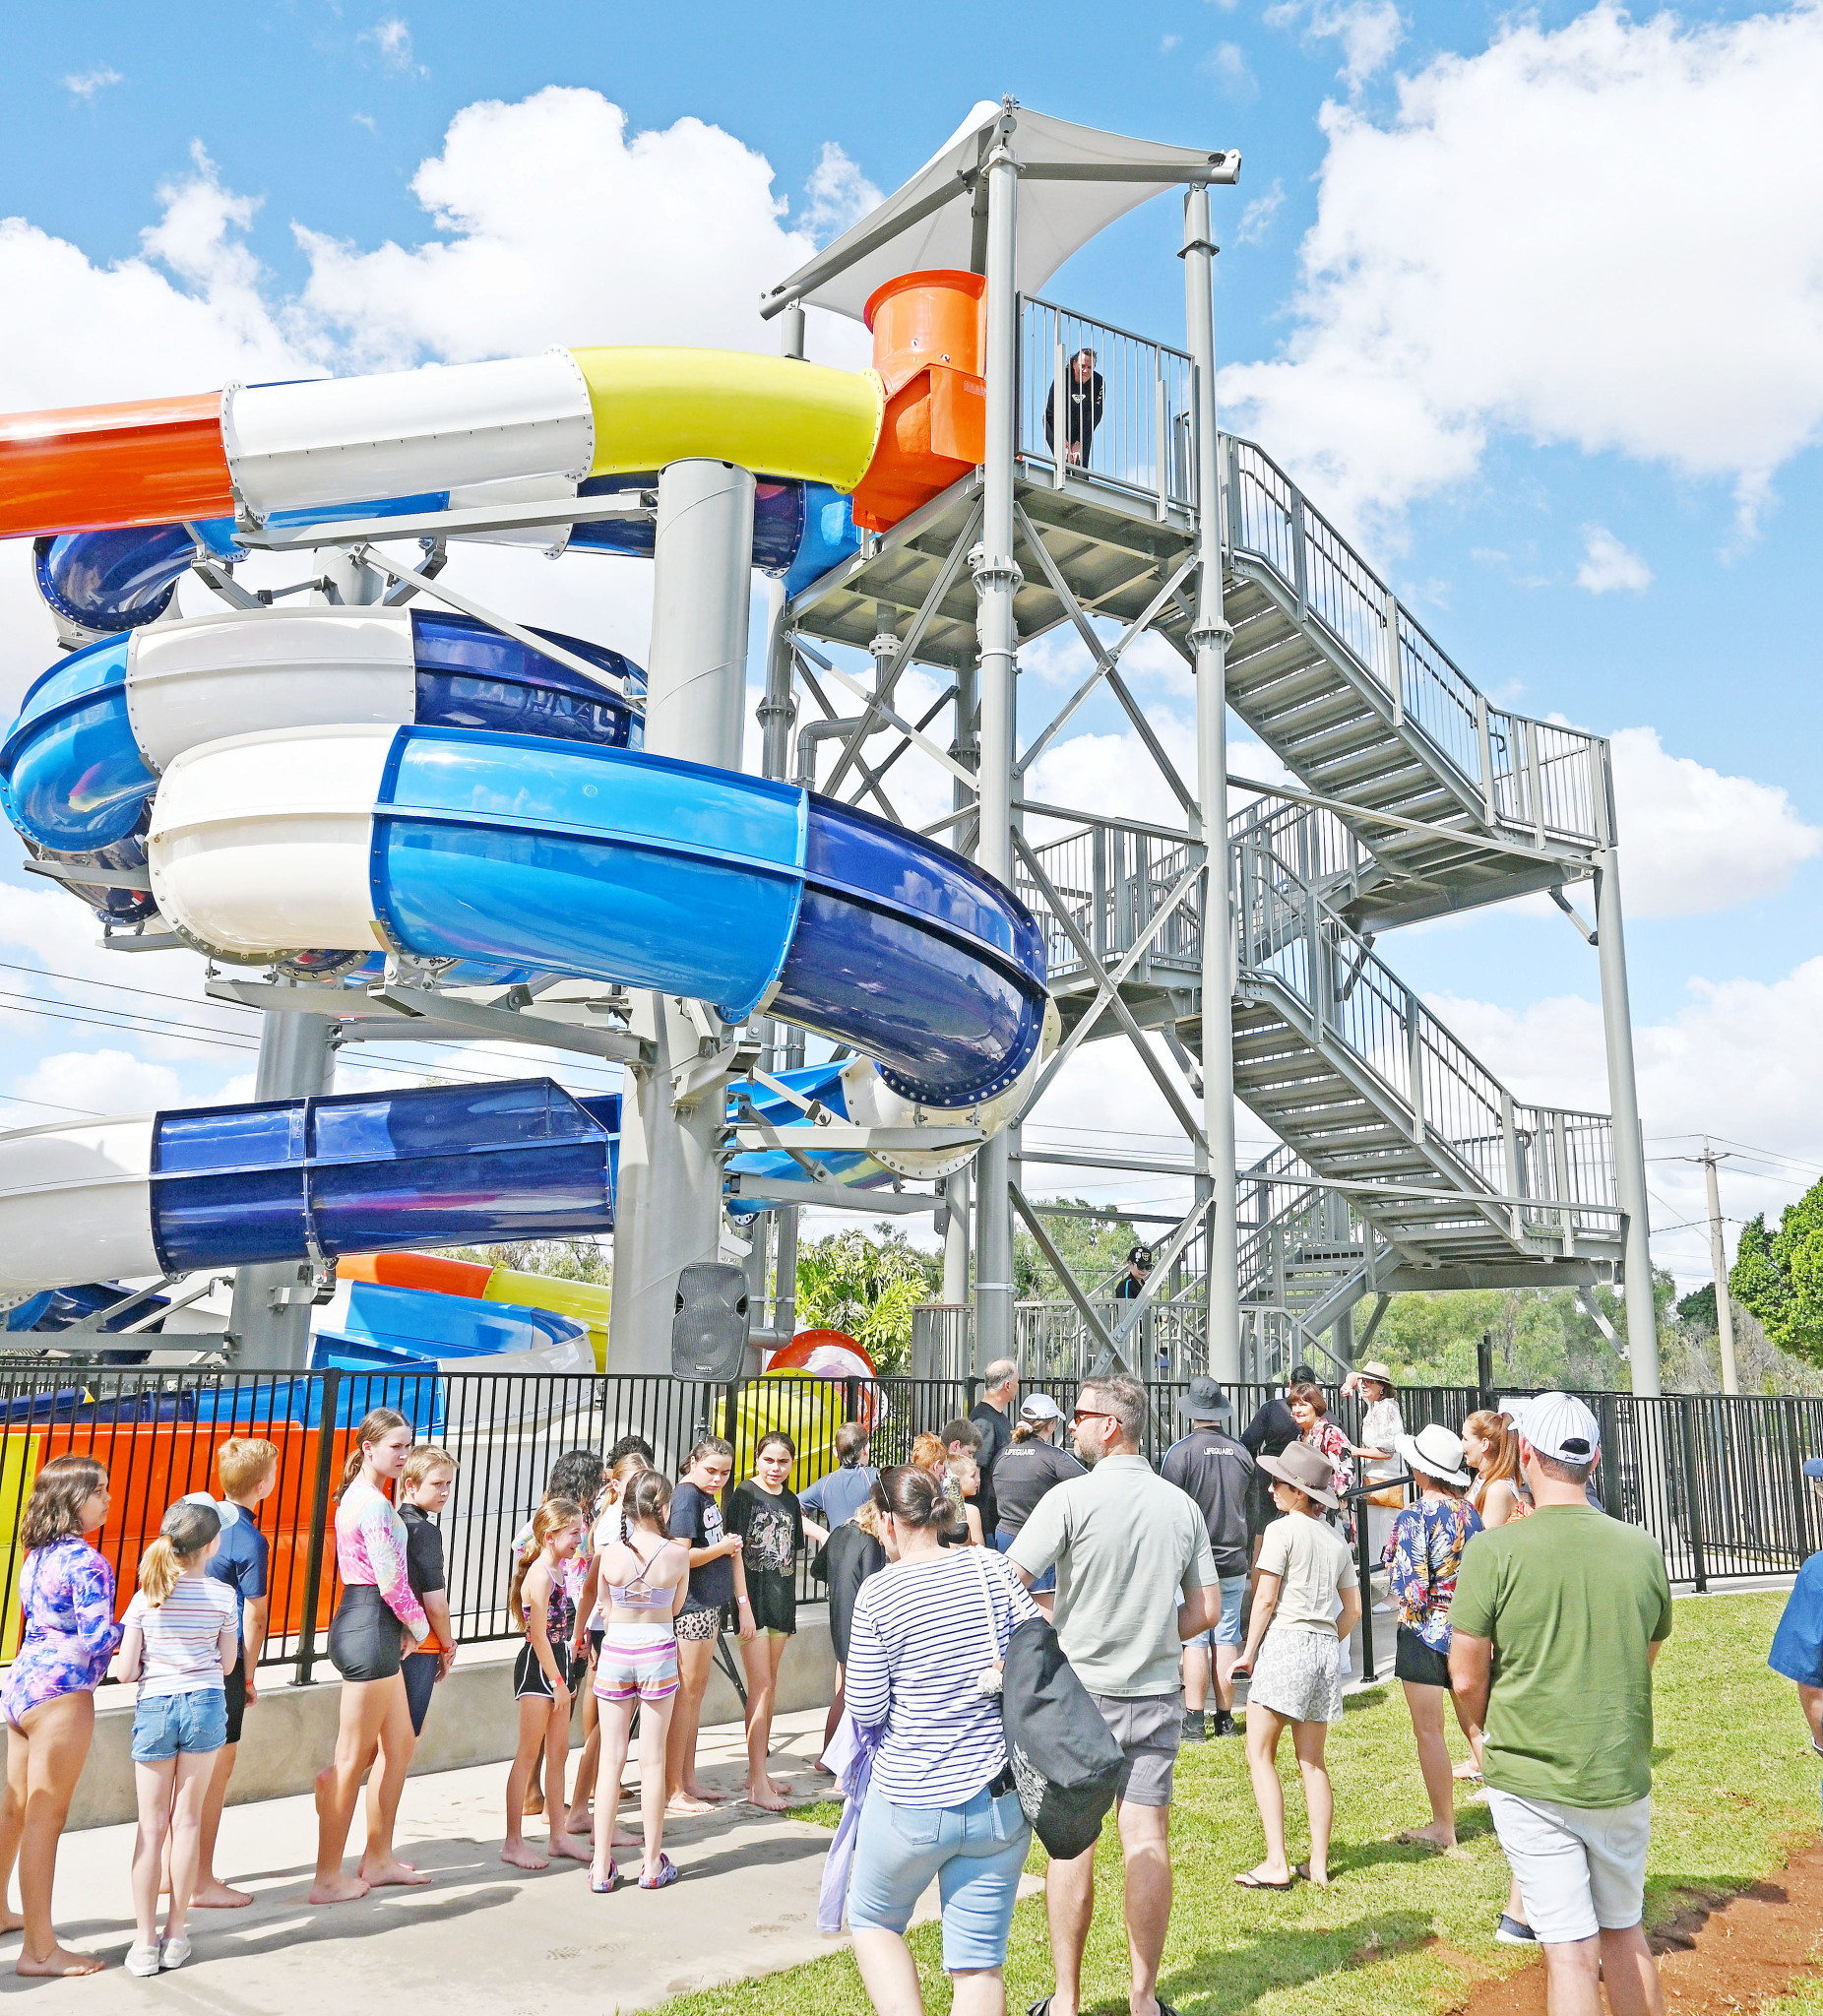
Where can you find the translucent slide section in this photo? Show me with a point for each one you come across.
(293, 1179)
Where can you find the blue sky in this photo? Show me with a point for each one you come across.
(1511, 297)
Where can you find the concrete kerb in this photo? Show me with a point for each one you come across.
(289, 1732)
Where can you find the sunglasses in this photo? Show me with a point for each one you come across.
(1090, 1413)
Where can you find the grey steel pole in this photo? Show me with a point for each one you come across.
(1718, 1264)
(669, 1207)
(996, 582)
(956, 1239)
(270, 1318)
(1208, 640)
(1629, 1146)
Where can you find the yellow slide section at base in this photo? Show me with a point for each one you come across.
(583, 1300)
(776, 415)
(19, 1468)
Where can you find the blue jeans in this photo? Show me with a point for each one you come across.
(1047, 1583)
(167, 1723)
(976, 1851)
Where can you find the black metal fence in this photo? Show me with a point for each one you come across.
(1717, 1481)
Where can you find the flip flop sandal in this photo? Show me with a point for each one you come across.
(668, 1874)
(602, 1886)
(1249, 1881)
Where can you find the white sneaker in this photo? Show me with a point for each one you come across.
(143, 1960)
(174, 1952)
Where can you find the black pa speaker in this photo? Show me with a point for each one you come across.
(709, 1325)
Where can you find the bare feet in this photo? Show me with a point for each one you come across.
(59, 1964)
(524, 1857)
(336, 1889)
(706, 1793)
(1433, 1836)
(578, 1847)
(767, 1801)
(10, 1922)
(378, 1872)
(623, 1839)
(214, 1896)
(1317, 1879)
(781, 1786)
(687, 1803)
(534, 1801)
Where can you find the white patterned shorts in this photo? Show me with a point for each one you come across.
(1298, 1674)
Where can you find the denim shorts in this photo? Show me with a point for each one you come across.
(1228, 1631)
(1046, 1584)
(976, 1851)
(167, 1723)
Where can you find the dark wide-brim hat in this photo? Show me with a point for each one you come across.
(1205, 1402)
(1300, 1467)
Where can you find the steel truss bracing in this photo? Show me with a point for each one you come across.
(1404, 1164)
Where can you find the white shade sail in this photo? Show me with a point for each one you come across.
(1074, 181)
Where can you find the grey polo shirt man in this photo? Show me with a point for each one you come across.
(1128, 1548)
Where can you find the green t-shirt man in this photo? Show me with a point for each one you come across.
(1571, 1601)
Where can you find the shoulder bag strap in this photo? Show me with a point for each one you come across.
(987, 1680)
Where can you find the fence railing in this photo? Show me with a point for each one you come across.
(1140, 441)
(1534, 775)
(1716, 1481)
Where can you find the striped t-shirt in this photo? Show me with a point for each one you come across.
(918, 1639)
(184, 1636)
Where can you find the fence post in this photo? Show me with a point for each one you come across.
(319, 1521)
(1794, 1468)
(971, 1386)
(1364, 1568)
(1693, 1504)
(1484, 1368)
(731, 1413)
(1608, 1414)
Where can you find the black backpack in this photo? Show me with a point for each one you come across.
(1065, 1760)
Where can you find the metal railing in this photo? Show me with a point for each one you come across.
(1537, 777)
(1114, 878)
(1440, 1090)
(1716, 1480)
(1141, 441)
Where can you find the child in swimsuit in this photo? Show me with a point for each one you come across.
(646, 1578)
(543, 1677)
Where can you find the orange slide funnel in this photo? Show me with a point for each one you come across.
(86, 468)
(929, 338)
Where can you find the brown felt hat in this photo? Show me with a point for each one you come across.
(1300, 1467)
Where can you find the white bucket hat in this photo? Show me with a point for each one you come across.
(1436, 1452)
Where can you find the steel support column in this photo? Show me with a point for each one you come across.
(996, 580)
(1629, 1146)
(668, 1207)
(1209, 639)
(269, 1319)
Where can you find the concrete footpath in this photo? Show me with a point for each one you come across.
(499, 1940)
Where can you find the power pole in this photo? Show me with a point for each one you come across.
(1719, 1266)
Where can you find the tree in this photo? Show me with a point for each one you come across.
(867, 1285)
(583, 1260)
(1092, 1248)
(1779, 1276)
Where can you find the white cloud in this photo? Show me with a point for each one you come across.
(1693, 841)
(1608, 565)
(839, 194)
(86, 82)
(98, 1082)
(1736, 1059)
(695, 234)
(1368, 31)
(1227, 64)
(1656, 198)
(1256, 220)
(1167, 43)
(391, 41)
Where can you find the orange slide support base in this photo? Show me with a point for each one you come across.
(86, 468)
(929, 338)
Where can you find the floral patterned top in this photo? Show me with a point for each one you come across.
(1333, 1446)
(67, 1597)
(1422, 1555)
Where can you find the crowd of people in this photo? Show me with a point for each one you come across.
(1522, 1612)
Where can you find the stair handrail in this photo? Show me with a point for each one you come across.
(1538, 777)
(1287, 934)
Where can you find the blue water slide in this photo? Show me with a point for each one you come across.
(443, 1328)
(74, 783)
(357, 1172)
(124, 578)
(740, 891)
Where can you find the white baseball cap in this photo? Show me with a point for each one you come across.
(1040, 1406)
(1560, 1426)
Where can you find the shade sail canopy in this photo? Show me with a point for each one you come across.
(1074, 181)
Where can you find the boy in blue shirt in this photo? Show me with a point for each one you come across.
(1798, 1644)
(247, 1468)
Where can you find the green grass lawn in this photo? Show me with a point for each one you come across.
(1399, 1932)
